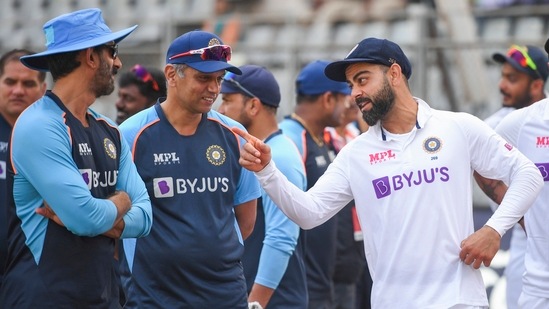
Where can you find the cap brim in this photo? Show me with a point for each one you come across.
(546, 46)
(336, 70)
(500, 58)
(227, 87)
(213, 66)
(38, 61)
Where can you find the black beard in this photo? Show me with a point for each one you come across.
(382, 103)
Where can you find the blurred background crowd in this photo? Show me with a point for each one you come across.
(450, 43)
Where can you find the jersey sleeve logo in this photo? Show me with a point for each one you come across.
(110, 148)
(216, 155)
(432, 145)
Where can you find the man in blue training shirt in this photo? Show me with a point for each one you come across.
(320, 103)
(75, 188)
(19, 88)
(204, 202)
(273, 260)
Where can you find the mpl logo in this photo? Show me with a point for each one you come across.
(163, 187)
(84, 149)
(3, 146)
(166, 158)
(381, 156)
(542, 141)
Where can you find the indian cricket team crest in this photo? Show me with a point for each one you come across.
(213, 42)
(432, 145)
(110, 148)
(216, 155)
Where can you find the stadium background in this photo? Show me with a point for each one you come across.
(449, 43)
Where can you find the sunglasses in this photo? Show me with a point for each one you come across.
(215, 52)
(145, 76)
(114, 50)
(520, 55)
(229, 77)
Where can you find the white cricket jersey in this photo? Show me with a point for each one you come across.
(413, 195)
(528, 130)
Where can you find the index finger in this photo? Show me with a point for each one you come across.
(244, 134)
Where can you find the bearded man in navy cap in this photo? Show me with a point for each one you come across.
(204, 202)
(74, 188)
(410, 177)
(273, 257)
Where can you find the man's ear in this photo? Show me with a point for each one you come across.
(91, 58)
(254, 106)
(171, 74)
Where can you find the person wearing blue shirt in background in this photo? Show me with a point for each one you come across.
(204, 202)
(320, 104)
(273, 261)
(74, 189)
(19, 88)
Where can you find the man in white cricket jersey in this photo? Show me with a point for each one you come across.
(410, 177)
(524, 72)
(526, 129)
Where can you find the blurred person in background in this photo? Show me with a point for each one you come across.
(350, 260)
(19, 88)
(273, 257)
(523, 75)
(320, 103)
(225, 22)
(138, 89)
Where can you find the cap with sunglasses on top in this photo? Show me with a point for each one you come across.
(255, 82)
(202, 51)
(75, 31)
(527, 59)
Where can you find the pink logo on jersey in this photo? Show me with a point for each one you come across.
(381, 156)
(542, 141)
(508, 146)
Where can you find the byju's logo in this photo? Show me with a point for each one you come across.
(84, 149)
(166, 158)
(163, 187)
(544, 170)
(95, 179)
(384, 186)
(381, 156)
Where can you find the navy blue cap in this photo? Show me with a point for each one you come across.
(196, 40)
(312, 80)
(74, 31)
(372, 50)
(536, 54)
(255, 80)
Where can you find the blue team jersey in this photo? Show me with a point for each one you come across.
(55, 159)
(320, 242)
(192, 257)
(272, 256)
(5, 131)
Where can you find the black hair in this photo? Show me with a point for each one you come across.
(14, 55)
(146, 88)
